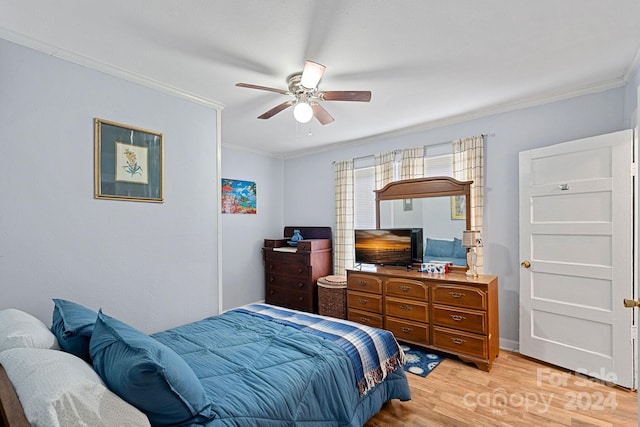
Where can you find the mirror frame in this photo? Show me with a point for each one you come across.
(426, 187)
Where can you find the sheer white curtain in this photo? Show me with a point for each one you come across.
(412, 163)
(468, 165)
(343, 242)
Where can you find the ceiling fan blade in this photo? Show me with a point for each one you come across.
(270, 89)
(346, 95)
(275, 110)
(321, 114)
(311, 74)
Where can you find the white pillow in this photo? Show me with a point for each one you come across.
(20, 329)
(58, 389)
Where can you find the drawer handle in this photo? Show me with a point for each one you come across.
(271, 292)
(363, 301)
(270, 266)
(405, 307)
(405, 288)
(364, 320)
(300, 285)
(456, 294)
(406, 330)
(362, 282)
(458, 318)
(458, 341)
(300, 299)
(271, 278)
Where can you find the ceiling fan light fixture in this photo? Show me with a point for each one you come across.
(311, 74)
(302, 112)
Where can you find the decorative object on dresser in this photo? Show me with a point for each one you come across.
(450, 312)
(291, 273)
(471, 239)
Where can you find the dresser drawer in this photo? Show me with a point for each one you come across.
(292, 283)
(407, 309)
(364, 283)
(461, 342)
(460, 296)
(459, 318)
(296, 270)
(364, 301)
(405, 330)
(286, 257)
(407, 288)
(290, 299)
(366, 318)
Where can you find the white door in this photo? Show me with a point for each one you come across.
(576, 248)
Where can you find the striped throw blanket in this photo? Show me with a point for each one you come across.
(374, 352)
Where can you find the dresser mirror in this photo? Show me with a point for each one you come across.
(438, 205)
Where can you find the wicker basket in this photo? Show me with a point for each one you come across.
(332, 296)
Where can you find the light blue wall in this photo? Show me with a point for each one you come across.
(631, 97)
(243, 235)
(309, 182)
(152, 265)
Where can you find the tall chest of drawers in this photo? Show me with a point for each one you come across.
(291, 273)
(450, 313)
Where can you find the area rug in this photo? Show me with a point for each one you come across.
(419, 362)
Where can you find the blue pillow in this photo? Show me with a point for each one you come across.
(147, 374)
(73, 324)
(440, 248)
(458, 250)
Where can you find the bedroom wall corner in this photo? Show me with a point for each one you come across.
(152, 265)
(242, 235)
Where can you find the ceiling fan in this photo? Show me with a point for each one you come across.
(303, 86)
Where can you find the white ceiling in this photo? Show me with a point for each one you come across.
(427, 62)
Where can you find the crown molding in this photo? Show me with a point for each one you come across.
(534, 101)
(94, 64)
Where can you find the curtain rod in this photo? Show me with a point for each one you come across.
(398, 150)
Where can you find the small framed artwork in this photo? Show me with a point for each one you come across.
(129, 162)
(238, 197)
(407, 205)
(458, 207)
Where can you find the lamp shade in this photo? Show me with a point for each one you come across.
(470, 238)
(311, 74)
(303, 112)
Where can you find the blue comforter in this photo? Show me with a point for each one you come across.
(262, 373)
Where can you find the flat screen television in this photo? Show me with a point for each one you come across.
(392, 246)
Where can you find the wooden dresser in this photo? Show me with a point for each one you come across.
(291, 273)
(450, 312)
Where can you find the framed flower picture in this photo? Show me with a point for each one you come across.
(129, 163)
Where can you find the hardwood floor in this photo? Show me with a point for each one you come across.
(518, 391)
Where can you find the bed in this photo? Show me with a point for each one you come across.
(258, 365)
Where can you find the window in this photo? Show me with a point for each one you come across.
(437, 162)
(364, 200)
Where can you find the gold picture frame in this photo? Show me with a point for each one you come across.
(129, 162)
(458, 207)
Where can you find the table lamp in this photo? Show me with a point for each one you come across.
(471, 239)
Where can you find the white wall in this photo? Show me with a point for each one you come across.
(309, 182)
(152, 265)
(243, 235)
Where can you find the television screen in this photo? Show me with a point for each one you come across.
(384, 247)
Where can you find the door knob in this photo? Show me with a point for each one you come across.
(525, 264)
(630, 303)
